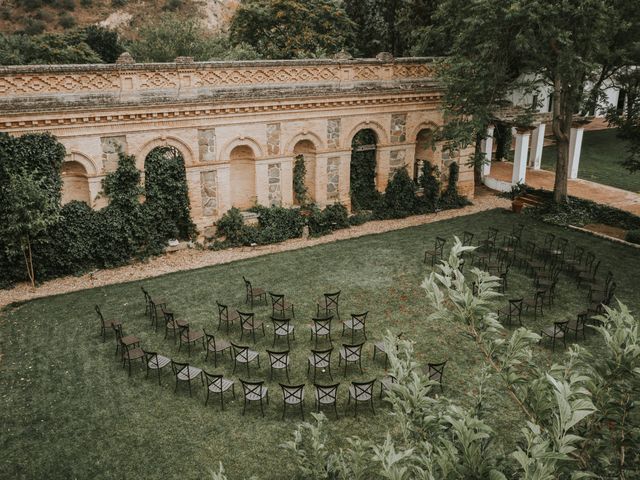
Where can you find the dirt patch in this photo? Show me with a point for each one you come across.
(608, 230)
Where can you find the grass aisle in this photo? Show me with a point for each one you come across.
(68, 410)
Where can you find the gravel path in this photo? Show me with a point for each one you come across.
(192, 258)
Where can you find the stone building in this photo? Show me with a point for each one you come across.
(237, 125)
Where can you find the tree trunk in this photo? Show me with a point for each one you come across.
(562, 119)
(28, 259)
(478, 160)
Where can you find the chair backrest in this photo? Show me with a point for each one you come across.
(612, 290)
(327, 394)
(169, 318)
(213, 379)
(223, 311)
(281, 357)
(561, 244)
(240, 351)
(582, 318)
(515, 306)
(549, 238)
(578, 253)
(332, 299)
(99, 313)
(118, 330)
(359, 319)
(363, 391)
(147, 297)
(277, 300)
(321, 356)
(184, 330)
(435, 371)
(517, 229)
(589, 259)
(151, 357)
(608, 279)
(467, 238)
(530, 249)
(492, 234)
(247, 285)
(292, 393)
(178, 367)
(595, 269)
(280, 325)
(440, 244)
(211, 340)
(560, 327)
(247, 318)
(252, 388)
(322, 326)
(539, 297)
(353, 350)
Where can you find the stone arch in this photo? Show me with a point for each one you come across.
(184, 149)
(75, 182)
(238, 142)
(429, 125)
(315, 139)
(242, 172)
(381, 133)
(364, 165)
(307, 149)
(89, 167)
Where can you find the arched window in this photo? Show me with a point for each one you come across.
(242, 170)
(75, 184)
(363, 170)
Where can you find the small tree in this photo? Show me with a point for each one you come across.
(28, 211)
(430, 183)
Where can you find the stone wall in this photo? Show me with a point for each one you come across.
(207, 110)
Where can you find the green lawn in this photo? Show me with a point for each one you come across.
(68, 410)
(602, 151)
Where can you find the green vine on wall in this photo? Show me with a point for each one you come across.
(299, 188)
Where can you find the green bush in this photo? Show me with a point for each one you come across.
(67, 21)
(450, 197)
(34, 27)
(360, 218)
(172, 5)
(66, 4)
(323, 222)
(277, 224)
(231, 226)
(400, 198)
(633, 236)
(430, 183)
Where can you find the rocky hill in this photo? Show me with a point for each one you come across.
(38, 16)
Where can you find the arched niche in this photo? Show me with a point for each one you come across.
(307, 149)
(425, 151)
(75, 183)
(184, 149)
(242, 172)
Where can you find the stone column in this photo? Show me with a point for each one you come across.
(287, 181)
(262, 181)
(537, 143)
(224, 188)
(520, 155)
(575, 148)
(321, 180)
(344, 183)
(410, 160)
(382, 167)
(487, 149)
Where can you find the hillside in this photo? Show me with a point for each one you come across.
(38, 16)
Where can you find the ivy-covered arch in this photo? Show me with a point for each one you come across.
(167, 195)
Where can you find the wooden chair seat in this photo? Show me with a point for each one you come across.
(192, 336)
(257, 395)
(251, 355)
(129, 340)
(161, 362)
(220, 346)
(222, 386)
(189, 373)
(133, 354)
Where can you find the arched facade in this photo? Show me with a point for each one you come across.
(167, 141)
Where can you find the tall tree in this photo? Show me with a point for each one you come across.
(498, 46)
(292, 28)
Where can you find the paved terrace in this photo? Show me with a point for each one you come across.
(596, 192)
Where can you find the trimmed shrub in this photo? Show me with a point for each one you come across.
(400, 198)
(633, 236)
(430, 183)
(67, 21)
(277, 224)
(323, 222)
(231, 226)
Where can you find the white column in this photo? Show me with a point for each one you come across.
(520, 156)
(262, 181)
(321, 180)
(382, 167)
(344, 184)
(286, 179)
(223, 174)
(537, 143)
(487, 149)
(575, 147)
